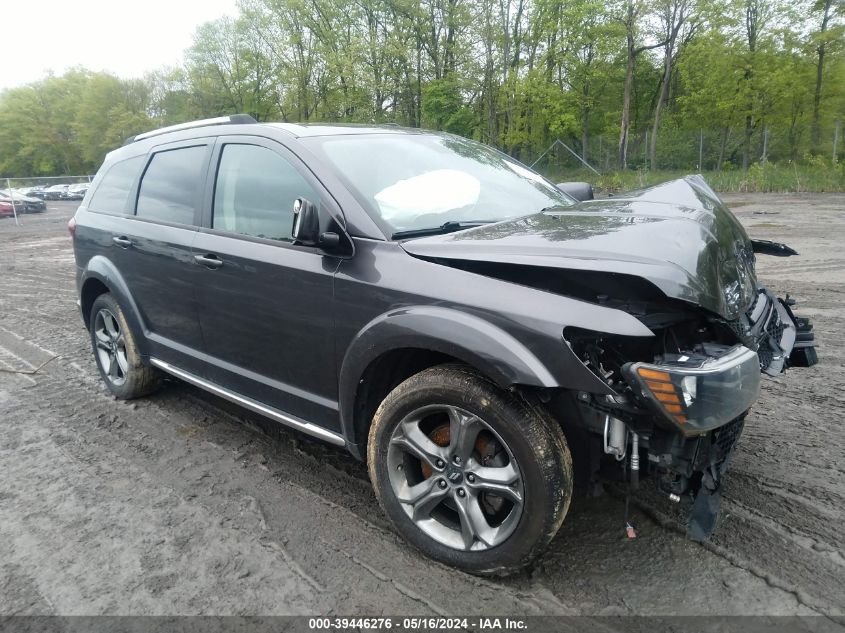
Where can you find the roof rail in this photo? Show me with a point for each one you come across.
(221, 120)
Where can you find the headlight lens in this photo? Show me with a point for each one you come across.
(697, 396)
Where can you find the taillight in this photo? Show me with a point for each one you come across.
(71, 227)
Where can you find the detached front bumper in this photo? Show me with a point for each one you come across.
(697, 393)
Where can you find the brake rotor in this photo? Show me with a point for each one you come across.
(441, 436)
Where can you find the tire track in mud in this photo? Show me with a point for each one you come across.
(818, 265)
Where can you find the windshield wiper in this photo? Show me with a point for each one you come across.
(446, 227)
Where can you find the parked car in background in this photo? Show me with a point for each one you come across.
(6, 210)
(56, 192)
(39, 191)
(76, 192)
(20, 205)
(24, 204)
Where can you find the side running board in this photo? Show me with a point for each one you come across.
(252, 405)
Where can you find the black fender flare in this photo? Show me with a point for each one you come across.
(101, 269)
(459, 334)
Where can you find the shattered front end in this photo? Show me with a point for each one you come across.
(704, 398)
(681, 397)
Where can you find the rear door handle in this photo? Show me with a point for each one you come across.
(122, 241)
(209, 261)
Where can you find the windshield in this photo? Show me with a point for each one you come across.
(423, 181)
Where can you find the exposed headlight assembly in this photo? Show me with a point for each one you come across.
(696, 396)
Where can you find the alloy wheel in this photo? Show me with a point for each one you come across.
(111, 347)
(455, 477)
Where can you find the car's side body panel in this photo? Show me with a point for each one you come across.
(266, 321)
(100, 270)
(161, 277)
(152, 280)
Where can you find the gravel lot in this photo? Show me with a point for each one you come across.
(183, 504)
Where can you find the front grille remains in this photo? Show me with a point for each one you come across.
(727, 436)
(741, 328)
(775, 327)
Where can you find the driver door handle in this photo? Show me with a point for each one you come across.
(122, 241)
(209, 261)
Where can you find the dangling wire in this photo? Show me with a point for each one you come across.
(630, 530)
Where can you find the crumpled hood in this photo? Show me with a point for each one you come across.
(679, 236)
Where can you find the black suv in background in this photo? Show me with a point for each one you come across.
(441, 311)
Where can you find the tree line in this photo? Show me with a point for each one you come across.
(642, 78)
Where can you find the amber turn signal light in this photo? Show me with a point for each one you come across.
(652, 374)
(659, 383)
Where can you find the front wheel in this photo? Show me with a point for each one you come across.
(470, 474)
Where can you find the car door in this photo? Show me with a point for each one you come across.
(265, 305)
(154, 247)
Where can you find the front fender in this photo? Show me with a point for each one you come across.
(469, 338)
(101, 269)
(464, 336)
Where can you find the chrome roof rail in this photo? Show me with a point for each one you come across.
(221, 120)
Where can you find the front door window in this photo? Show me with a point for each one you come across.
(255, 191)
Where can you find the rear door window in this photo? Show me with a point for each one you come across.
(170, 187)
(255, 191)
(112, 195)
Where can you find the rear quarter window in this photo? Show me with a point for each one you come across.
(112, 194)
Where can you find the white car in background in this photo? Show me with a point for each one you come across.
(76, 192)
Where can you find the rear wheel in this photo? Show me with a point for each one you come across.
(116, 353)
(470, 474)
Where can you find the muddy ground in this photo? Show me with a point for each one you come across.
(184, 504)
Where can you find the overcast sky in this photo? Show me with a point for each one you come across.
(124, 37)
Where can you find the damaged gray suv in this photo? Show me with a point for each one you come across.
(476, 334)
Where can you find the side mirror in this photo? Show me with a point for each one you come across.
(579, 190)
(306, 229)
(306, 223)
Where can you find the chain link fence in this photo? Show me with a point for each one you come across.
(695, 150)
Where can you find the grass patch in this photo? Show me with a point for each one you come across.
(815, 177)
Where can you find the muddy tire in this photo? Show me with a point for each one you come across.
(470, 474)
(116, 353)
